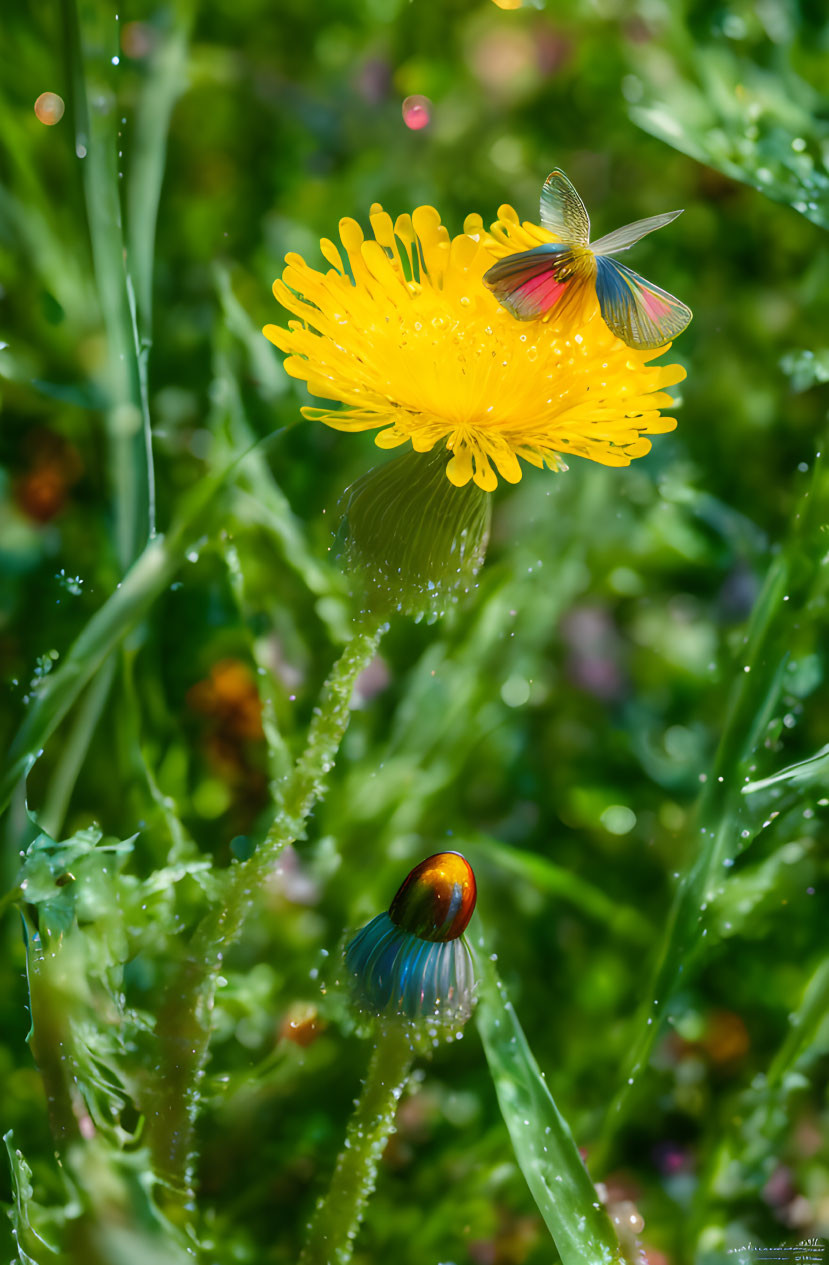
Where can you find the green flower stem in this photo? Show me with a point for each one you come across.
(183, 1026)
(794, 579)
(339, 1213)
(327, 728)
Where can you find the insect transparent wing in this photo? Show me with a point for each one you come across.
(622, 238)
(530, 283)
(636, 310)
(562, 210)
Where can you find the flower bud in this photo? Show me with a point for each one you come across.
(413, 962)
(411, 538)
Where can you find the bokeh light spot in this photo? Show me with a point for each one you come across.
(417, 112)
(49, 108)
(618, 819)
(515, 691)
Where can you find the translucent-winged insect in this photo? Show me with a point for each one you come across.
(550, 279)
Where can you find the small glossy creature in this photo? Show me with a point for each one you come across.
(413, 961)
(556, 277)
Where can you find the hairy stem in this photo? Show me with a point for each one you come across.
(183, 1026)
(339, 1213)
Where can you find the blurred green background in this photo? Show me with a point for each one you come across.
(558, 724)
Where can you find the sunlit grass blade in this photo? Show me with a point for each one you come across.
(759, 1123)
(271, 381)
(541, 1138)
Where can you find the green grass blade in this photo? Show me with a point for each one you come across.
(541, 1138)
(124, 608)
(67, 770)
(90, 39)
(803, 1024)
(165, 81)
(793, 577)
(813, 769)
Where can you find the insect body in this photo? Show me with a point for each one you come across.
(556, 277)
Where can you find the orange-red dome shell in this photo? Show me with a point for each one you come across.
(437, 899)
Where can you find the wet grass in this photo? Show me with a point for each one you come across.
(622, 726)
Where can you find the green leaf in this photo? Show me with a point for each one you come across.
(24, 1211)
(759, 889)
(55, 875)
(267, 370)
(813, 769)
(541, 1138)
(760, 128)
(82, 394)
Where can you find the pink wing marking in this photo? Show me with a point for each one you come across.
(654, 305)
(544, 287)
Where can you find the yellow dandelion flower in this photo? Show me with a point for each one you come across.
(404, 334)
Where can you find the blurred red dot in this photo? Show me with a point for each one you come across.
(301, 1024)
(49, 108)
(417, 112)
(137, 40)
